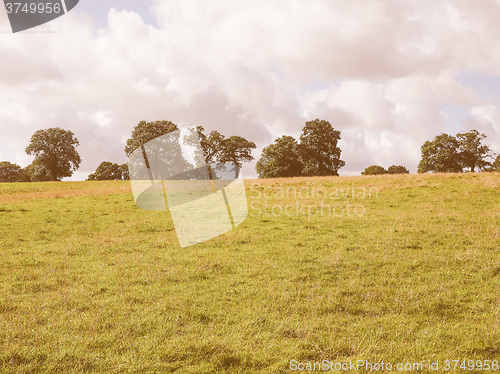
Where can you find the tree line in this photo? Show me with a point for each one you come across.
(450, 154)
(378, 170)
(316, 153)
(56, 156)
(216, 147)
(464, 152)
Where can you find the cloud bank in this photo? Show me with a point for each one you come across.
(386, 73)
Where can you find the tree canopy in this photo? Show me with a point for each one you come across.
(108, 171)
(398, 169)
(217, 148)
(280, 159)
(146, 131)
(10, 172)
(318, 149)
(55, 154)
(374, 170)
(441, 155)
(237, 150)
(449, 154)
(316, 154)
(495, 165)
(472, 152)
(211, 145)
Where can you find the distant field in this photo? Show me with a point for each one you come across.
(399, 269)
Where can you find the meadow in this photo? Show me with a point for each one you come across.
(399, 269)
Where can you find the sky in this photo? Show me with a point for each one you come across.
(389, 74)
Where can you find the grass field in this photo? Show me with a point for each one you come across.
(400, 269)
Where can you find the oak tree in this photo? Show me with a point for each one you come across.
(318, 149)
(55, 154)
(441, 155)
(146, 131)
(473, 154)
(280, 159)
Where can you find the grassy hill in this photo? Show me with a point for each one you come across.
(399, 269)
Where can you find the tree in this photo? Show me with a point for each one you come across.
(374, 170)
(441, 155)
(55, 154)
(125, 172)
(398, 169)
(495, 165)
(472, 153)
(36, 172)
(280, 159)
(318, 149)
(236, 150)
(10, 172)
(146, 131)
(217, 148)
(211, 145)
(106, 171)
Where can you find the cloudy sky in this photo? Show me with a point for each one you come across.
(389, 74)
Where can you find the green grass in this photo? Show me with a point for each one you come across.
(90, 283)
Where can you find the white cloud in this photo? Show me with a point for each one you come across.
(486, 119)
